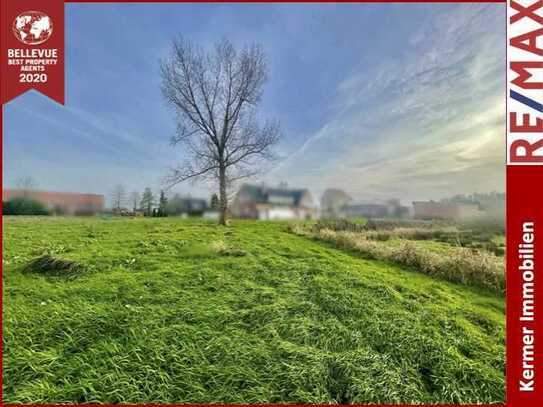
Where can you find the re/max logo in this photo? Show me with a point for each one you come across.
(525, 82)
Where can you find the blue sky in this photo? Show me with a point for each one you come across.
(382, 100)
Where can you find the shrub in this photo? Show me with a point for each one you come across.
(7, 208)
(440, 234)
(390, 224)
(24, 206)
(85, 212)
(340, 225)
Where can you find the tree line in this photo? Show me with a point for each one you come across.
(215, 95)
(149, 204)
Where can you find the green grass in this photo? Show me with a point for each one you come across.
(431, 245)
(169, 310)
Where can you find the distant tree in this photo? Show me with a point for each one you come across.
(215, 205)
(393, 202)
(118, 197)
(487, 201)
(332, 201)
(147, 202)
(215, 96)
(162, 204)
(135, 200)
(395, 208)
(26, 184)
(7, 208)
(59, 210)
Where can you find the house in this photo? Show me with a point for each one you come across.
(392, 208)
(267, 203)
(194, 206)
(62, 203)
(445, 210)
(186, 206)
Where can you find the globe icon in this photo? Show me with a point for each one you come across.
(32, 27)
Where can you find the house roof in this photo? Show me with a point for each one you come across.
(261, 194)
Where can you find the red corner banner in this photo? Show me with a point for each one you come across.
(32, 48)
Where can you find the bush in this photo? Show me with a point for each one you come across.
(449, 233)
(353, 225)
(24, 206)
(391, 224)
(85, 212)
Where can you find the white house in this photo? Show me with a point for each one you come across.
(267, 203)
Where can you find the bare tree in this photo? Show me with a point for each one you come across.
(118, 197)
(135, 200)
(26, 184)
(215, 96)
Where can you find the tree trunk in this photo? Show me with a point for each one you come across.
(223, 200)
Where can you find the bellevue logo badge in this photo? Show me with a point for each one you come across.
(32, 27)
(32, 54)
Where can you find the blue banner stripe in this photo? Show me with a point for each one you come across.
(526, 100)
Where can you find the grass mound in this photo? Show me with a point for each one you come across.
(48, 265)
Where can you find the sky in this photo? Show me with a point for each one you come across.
(381, 100)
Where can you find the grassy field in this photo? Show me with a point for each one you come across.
(169, 310)
(474, 265)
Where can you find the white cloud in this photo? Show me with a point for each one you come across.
(427, 123)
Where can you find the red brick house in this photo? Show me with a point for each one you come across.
(68, 203)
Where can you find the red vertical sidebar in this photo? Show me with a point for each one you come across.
(524, 351)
